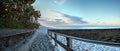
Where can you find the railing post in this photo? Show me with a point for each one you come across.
(48, 32)
(55, 34)
(69, 42)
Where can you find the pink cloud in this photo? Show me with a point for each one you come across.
(56, 18)
(59, 2)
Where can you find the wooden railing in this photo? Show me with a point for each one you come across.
(15, 40)
(12, 32)
(69, 42)
(69, 38)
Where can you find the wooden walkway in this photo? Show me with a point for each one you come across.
(42, 42)
(39, 41)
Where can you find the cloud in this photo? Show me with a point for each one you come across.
(52, 22)
(67, 18)
(55, 18)
(59, 2)
(75, 19)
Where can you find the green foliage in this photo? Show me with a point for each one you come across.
(32, 25)
(17, 13)
(2, 23)
(17, 25)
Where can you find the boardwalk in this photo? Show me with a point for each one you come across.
(39, 42)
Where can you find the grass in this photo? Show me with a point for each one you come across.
(17, 25)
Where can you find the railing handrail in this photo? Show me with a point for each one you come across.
(69, 38)
(6, 35)
(92, 41)
(66, 47)
(61, 44)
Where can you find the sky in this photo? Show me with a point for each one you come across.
(74, 13)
